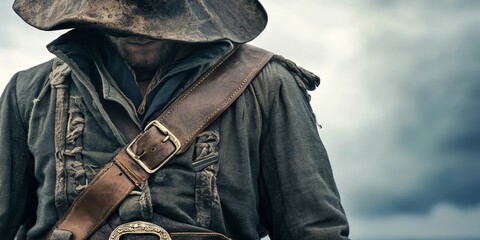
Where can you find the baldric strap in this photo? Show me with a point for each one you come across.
(170, 134)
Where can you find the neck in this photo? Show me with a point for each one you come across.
(148, 78)
(144, 75)
(163, 63)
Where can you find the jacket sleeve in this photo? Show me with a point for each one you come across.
(298, 193)
(16, 171)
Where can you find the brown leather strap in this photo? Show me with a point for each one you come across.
(170, 134)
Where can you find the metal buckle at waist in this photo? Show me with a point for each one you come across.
(168, 137)
(139, 227)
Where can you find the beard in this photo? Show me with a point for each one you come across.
(142, 54)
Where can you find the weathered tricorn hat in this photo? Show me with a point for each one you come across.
(183, 20)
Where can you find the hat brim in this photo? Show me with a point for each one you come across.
(239, 21)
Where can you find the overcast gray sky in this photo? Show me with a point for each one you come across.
(398, 103)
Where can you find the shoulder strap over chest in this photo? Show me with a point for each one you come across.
(170, 134)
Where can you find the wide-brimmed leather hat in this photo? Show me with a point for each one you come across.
(183, 20)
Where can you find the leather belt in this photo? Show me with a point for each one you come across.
(146, 228)
(169, 135)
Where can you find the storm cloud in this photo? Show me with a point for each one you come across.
(422, 70)
(399, 105)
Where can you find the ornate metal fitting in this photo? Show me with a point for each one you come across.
(139, 227)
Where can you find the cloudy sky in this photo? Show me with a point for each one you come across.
(398, 102)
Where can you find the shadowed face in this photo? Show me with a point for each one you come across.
(140, 52)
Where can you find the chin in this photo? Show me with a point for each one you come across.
(143, 62)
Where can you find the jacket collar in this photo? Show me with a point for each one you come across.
(90, 53)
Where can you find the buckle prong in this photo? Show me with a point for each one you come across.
(168, 137)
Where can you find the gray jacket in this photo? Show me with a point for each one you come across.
(259, 169)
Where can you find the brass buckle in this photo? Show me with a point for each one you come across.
(139, 227)
(168, 137)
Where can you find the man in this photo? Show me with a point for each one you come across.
(259, 168)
